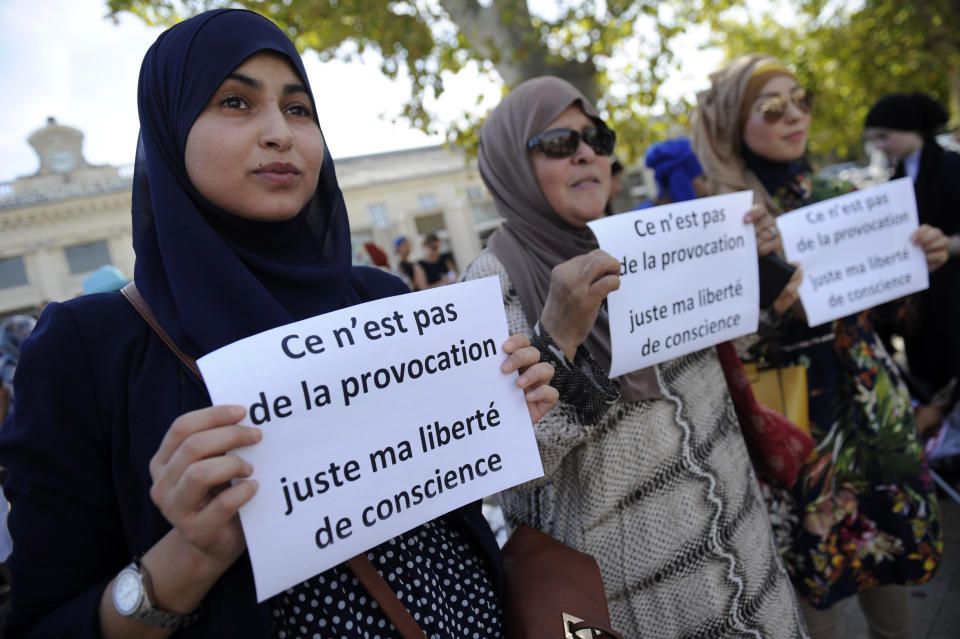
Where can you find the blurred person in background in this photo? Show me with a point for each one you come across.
(13, 331)
(904, 127)
(406, 270)
(676, 170)
(616, 185)
(436, 269)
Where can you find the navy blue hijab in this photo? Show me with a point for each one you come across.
(210, 277)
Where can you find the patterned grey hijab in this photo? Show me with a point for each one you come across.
(533, 238)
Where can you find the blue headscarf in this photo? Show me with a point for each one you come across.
(210, 277)
(674, 167)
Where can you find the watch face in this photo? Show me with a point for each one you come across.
(127, 592)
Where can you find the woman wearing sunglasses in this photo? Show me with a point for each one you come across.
(863, 517)
(648, 472)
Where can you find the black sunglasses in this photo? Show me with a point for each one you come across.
(774, 107)
(563, 143)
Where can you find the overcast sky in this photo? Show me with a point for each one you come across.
(62, 58)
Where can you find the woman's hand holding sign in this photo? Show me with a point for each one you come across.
(789, 295)
(191, 474)
(534, 376)
(935, 245)
(769, 241)
(577, 289)
(765, 226)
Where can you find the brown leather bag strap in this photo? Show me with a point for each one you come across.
(381, 591)
(136, 299)
(360, 565)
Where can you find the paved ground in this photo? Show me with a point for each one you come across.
(934, 606)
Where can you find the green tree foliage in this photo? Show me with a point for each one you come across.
(620, 52)
(593, 44)
(850, 54)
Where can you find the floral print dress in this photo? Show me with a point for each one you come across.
(863, 512)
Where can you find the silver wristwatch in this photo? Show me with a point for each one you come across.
(133, 599)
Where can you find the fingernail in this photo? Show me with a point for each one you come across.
(237, 411)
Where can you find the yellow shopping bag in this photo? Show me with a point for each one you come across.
(785, 391)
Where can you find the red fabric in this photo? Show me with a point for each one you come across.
(377, 256)
(777, 446)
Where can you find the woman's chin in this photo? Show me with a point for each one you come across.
(589, 215)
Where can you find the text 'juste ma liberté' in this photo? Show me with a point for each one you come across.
(429, 437)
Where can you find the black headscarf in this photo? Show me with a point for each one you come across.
(210, 277)
(773, 174)
(908, 112)
(925, 116)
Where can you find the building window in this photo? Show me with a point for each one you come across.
(430, 224)
(379, 216)
(12, 272)
(428, 201)
(87, 257)
(476, 193)
(484, 212)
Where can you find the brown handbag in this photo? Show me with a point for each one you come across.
(552, 591)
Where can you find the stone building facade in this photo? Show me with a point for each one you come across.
(61, 223)
(414, 192)
(70, 217)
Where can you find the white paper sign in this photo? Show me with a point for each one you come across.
(855, 250)
(375, 419)
(688, 278)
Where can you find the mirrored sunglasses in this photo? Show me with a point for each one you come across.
(563, 143)
(773, 108)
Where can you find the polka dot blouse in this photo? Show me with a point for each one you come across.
(441, 580)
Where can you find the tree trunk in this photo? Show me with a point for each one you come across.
(503, 33)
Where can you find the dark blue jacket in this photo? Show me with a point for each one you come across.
(96, 392)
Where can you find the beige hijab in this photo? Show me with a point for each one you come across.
(533, 238)
(717, 137)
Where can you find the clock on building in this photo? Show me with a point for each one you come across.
(62, 161)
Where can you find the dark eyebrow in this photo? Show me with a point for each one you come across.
(253, 83)
(294, 88)
(245, 79)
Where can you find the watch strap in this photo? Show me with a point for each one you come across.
(149, 614)
(164, 619)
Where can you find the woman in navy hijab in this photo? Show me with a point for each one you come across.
(118, 462)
